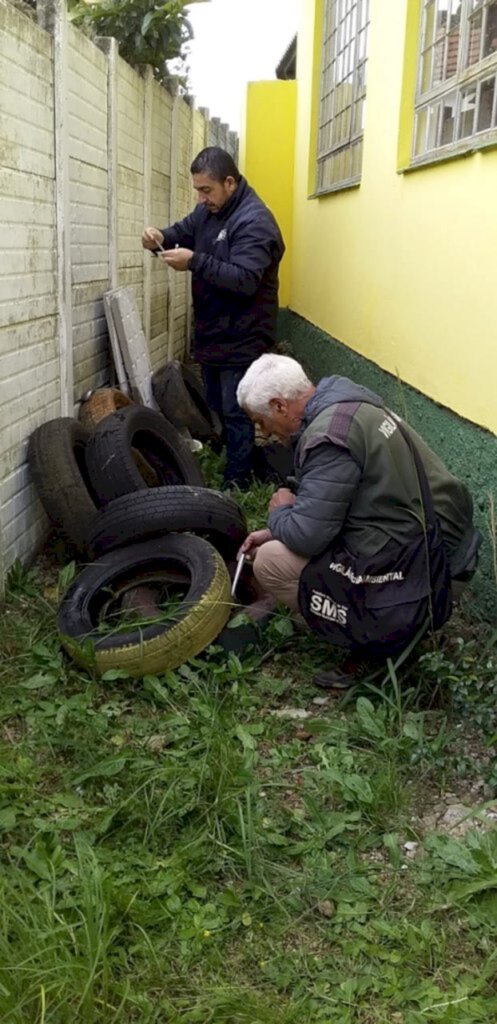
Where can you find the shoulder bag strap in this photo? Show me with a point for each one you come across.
(339, 428)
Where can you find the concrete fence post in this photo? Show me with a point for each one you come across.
(147, 195)
(53, 18)
(172, 217)
(189, 303)
(223, 135)
(206, 116)
(233, 145)
(110, 47)
(215, 128)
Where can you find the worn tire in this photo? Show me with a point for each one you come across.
(111, 454)
(159, 646)
(152, 513)
(180, 396)
(104, 402)
(56, 457)
(101, 403)
(194, 384)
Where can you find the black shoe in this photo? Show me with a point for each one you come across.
(335, 679)
(355, 669)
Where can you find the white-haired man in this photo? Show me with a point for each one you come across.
(375, 529)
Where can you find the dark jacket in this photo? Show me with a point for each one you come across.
(365, 487)
(234, 277)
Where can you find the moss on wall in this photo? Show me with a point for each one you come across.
(468, 451)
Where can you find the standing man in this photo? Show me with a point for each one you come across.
(232, 245)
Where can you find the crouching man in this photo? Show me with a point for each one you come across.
(374, 534)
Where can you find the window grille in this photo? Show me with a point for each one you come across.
(342, 94)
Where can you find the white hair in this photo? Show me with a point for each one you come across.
(271, 376)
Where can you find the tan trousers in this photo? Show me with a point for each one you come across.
(278, 570)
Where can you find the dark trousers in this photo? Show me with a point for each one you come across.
(238, 432)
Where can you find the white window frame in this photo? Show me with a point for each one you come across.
(461, 90)
(340, 137)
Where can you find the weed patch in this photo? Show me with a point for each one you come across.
(223, 844)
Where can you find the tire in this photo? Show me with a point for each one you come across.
(192, 379)
(152, 513)
(180, 397)
(111, 459)
(104, 402)
(57, 460)
(150, 648)
(101, 403)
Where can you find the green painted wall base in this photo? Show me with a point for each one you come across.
(468, 451)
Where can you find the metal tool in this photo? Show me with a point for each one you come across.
(241, 562)
(161, 247)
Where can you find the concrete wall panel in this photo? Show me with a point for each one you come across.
(29, 378)
(131, 188)
(162, 122)
(88, 164)
(93, 178)
(184, 202)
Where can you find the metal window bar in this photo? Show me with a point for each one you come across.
(457, 118)
(494, 106)
(484, 23)
(483, 8)
(464, 40)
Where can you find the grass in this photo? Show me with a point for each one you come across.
(174, 852)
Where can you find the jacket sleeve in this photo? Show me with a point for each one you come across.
(182, 233)
(329, 479)
(253, 249)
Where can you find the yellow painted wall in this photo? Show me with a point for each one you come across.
(402, 269)
(267, 157)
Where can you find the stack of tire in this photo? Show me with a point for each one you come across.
(123, 486)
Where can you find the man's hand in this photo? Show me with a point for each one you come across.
(178, 259)
(281, 497)
(253, 541)
(152, 238)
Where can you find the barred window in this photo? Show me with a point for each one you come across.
(343, 93)
(456, 99)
